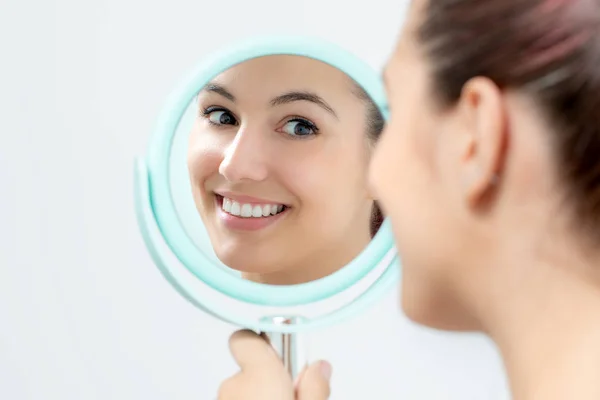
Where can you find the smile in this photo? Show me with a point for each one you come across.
(247, 210)
(241, 216)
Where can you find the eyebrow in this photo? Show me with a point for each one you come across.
(285, 98)
(216, 88)
(291, 97)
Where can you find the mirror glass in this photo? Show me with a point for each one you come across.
(269, 169)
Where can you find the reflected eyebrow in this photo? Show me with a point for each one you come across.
(290, 97)
(219, 89)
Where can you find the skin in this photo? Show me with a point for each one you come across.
(477, 184)
(262, 375)
(321, 174)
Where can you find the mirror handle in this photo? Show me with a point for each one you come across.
(289, 347)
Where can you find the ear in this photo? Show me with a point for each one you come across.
(482, 116)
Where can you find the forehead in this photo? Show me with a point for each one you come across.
(416, 8)
(277, 80)
(291, 71)
(405, 45)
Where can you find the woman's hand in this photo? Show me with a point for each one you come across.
(263, 376)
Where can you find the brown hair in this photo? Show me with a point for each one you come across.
(375, 125)
(549, 49)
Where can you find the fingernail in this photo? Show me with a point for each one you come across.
(326, 370)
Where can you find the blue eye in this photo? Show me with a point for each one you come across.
(298, 127)
(219, 117)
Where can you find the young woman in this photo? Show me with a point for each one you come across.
(490, 172)
(278, 160)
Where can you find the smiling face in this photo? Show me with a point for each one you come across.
(277, 160)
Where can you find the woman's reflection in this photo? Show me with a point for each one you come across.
(277, 159)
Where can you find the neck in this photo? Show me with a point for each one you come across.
(318, 265)
(546, 323)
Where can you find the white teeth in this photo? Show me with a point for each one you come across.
(266, 210)
(246, 210)
(257, 211)
(226, 205)
(235, 208)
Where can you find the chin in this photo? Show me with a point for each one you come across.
(245, 261)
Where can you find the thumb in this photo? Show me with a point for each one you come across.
(314, 382)
(252, 352)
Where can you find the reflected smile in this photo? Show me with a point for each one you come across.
(239, 212)
(249, 210)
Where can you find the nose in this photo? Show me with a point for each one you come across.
(244, 158)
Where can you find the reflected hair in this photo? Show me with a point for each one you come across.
(548, 49)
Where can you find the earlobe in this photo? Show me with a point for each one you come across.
(483, 117)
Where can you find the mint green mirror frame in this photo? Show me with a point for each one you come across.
(157, 215)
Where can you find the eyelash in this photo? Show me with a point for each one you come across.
(209, 110)
(205, 112)
(303, 121)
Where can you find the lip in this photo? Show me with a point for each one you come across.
(240, 198)
(236, 223)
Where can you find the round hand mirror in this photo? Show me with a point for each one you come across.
(252, 197)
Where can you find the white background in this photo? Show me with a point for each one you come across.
(84, 314)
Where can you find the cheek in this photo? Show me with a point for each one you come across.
(394, 170)
(402, 177)
(327, 186)
(304, 177)
(204, 157)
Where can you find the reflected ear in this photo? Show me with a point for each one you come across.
(482, 117)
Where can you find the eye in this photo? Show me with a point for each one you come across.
(219, 116)
(300, 127)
